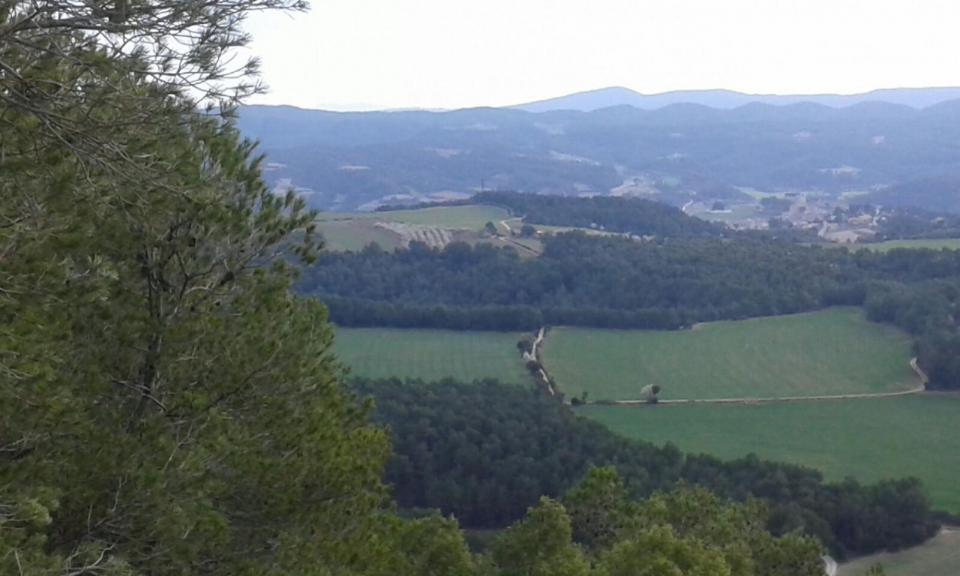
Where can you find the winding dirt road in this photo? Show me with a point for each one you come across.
(773, 399)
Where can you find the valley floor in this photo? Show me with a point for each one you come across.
(431, 354)
(869, 439)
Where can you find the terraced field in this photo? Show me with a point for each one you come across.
(431, 354)
(830, 352)
(938, 557)
(866, 439)
(391, 229)
(436, 225)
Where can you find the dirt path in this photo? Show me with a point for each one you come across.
(541, 373)
(774, 399)
(919, 371)
(536, 343)
(830, 566)
(785, 399)
(523, 247)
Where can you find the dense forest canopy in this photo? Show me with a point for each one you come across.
(485, 451)
(597, 281)
(636, 216)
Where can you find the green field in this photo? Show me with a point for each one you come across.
(938, 557)
(355, 234)
(933, 244)
(835, 351)
(431, 354)
(868, 439)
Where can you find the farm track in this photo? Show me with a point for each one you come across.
(536, 356)
(772, 399)
(788, 399)
(830, 566)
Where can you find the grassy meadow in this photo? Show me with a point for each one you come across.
(431, 354)
(868, 439)
(354, 235)
(836, 351)
(938, 557)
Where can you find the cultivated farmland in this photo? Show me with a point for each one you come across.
(868, 439)
(435, 226)
(355, 234)
(431, 354)
(938, 557)
(835, 351)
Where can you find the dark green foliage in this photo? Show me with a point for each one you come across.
(484, 452)
(540, 545)
(612, 214)
(580, 280)
(928, 310)
(600, 509)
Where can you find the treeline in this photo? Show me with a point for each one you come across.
(928, 311)
(581, 280)
(486, 451)
(613, 214)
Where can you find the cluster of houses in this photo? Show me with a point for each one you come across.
(833, 221)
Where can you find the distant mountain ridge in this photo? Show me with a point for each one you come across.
(681, 153)
(591, 100)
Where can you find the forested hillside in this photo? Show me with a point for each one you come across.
(612, 214)
(581, 280)
(485, 451)
(679, 153)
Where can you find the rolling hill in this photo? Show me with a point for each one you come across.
(619, 96)
(676, 154)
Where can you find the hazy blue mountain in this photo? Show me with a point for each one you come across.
(678, 153)
(728, 99)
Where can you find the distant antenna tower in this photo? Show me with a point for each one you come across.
(482, 184)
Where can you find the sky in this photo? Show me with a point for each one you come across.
(386, 54)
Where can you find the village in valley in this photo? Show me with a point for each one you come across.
(835, 219)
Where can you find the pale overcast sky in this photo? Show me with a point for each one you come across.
(363, 54)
